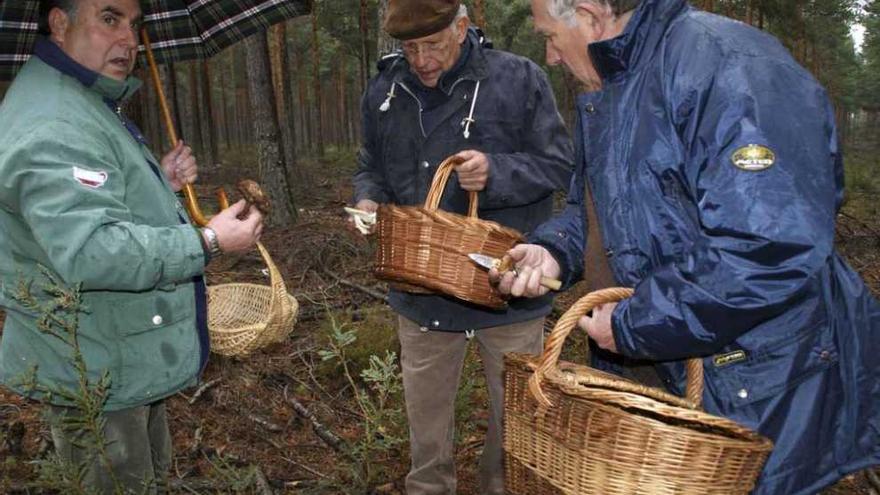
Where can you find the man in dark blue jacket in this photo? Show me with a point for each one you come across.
(447, 94)
(713, 162)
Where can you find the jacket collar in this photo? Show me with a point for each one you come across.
(110, 89)
(475, 67)
(616, 56)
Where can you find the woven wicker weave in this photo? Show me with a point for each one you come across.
(424, 247)
(571, 429)
(245, 317)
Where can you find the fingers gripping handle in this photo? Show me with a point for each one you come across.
(553, 348)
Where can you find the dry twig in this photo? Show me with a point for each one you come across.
(324, 433)
(265, 423)
(202, 388)
(348, 283)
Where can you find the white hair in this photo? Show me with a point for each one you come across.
(564, 9)
(462, 12)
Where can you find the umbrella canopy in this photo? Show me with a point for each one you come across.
(178, 29)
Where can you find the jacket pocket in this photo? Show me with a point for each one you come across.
(155, 311)
(158, 345)
(774, 368)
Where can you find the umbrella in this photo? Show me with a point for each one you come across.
(173, 31)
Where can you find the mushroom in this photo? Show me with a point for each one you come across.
(253, 195)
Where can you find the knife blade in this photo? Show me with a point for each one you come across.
(489, 262)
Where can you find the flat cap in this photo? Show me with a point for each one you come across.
(410, 19)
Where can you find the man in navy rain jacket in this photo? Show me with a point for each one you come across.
(713, 162)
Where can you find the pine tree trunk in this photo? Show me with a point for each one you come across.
(209, 123)
(385, 44)
(281, 83)
(195, 119)
(273, 176)
(316, 81)
(365, 48)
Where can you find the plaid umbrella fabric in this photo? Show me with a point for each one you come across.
(178, 29)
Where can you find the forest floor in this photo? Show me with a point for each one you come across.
(240, 431)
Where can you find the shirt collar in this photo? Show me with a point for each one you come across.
(53, 56)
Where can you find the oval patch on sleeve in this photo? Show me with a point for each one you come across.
(753, 158)
(90, 178)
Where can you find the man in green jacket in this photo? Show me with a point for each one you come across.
(82, 196)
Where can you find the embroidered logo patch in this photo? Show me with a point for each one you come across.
(753, 158)
(730, 358)
(90, 178)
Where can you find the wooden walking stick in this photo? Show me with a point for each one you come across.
(192, 203)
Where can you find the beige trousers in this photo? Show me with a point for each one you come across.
(431, 363)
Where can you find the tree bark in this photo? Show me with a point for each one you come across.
(281, 84)
(209, 127)
(385, 44)
(273, 175)
(316, 82)
(365, 48)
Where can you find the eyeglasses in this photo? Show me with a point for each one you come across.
(428, 48)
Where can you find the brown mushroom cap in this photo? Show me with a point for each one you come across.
(253, 194)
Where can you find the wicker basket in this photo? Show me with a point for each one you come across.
(426, 248)
(571, 429)
(245, 317)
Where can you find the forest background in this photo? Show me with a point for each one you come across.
(322, 412)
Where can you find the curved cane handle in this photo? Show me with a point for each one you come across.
(567, 322)
(438, 185)
(190, 200)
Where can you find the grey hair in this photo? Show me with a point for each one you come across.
(462, 12)
(68, 6)
(564, 9)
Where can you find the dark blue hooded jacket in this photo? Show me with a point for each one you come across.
(409, 130)
(714, 163)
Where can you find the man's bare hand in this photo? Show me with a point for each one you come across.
(598, 326)
(363, 225)
(234, 235)
(180, 166)
(531, 262)
(473, 172)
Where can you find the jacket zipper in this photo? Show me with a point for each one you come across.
(419, 103)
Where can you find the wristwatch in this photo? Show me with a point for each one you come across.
(213, 244)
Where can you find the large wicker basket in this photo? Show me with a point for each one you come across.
(427, 248)
(571, 429)
(245, 317)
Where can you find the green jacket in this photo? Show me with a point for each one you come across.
(81, 196)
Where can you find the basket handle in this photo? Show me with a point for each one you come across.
(568, 321)
(276, 281)
(438, 185)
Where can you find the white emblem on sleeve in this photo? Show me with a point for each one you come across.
(90, 178)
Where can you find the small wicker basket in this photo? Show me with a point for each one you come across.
(422, 248)
(245, 317)
(571, 429)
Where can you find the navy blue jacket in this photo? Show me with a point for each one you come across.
(731, 255)
(517, 125)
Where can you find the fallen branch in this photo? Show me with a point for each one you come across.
(303, 466)
(202, 388)
(354, 285)
(330, 438)
(265, 423)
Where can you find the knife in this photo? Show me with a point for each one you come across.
(489, 262)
